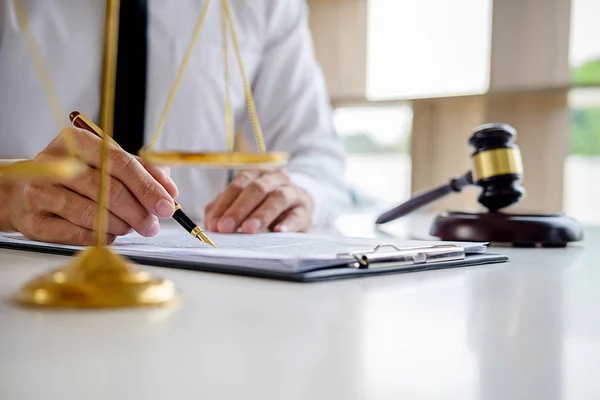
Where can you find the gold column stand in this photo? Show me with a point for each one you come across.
(97, 278)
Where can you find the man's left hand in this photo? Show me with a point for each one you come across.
(258, 201)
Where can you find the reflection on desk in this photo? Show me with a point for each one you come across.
(526, 329)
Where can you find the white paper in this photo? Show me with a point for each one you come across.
(270, 251)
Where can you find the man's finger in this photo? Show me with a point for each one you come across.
(122, 203)
(51, 228)
(278, 202)
(75, 208)
(127, 169)
(246, 202)
(297, 219)
(237, 185)
(162, 175)
(57, 147)
(211, 224)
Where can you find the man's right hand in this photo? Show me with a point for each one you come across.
(66, 212)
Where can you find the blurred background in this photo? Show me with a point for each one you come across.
(410, 79)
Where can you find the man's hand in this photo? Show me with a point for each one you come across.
(258, 201)
(66, 212)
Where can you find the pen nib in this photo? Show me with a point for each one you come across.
(202, 236)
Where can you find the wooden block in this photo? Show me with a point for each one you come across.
(530, 44)
(339, 31)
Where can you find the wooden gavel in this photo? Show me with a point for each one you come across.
(497, 169)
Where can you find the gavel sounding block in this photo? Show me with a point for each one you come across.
(518, 230)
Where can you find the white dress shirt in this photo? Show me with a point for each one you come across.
(276, 46)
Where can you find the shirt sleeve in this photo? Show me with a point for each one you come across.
(294, 110)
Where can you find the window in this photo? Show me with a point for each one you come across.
(428, 48)
(582, 167)
(585, 46)
(376, 139)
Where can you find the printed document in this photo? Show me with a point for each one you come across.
(274, 251)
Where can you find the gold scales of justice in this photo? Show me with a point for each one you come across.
(98, 277)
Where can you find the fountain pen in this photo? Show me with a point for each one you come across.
(80, 121)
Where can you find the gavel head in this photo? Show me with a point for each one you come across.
(497, 166)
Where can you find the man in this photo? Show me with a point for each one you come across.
(288, 89)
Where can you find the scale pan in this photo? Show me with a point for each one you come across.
(217, 160)
(54, 170)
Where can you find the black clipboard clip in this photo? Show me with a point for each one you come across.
(371, 259)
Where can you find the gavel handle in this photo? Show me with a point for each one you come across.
(455, 185)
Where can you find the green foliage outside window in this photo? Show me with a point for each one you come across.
(587, 74)
(585, 122)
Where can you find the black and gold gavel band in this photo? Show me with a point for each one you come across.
(496, 162)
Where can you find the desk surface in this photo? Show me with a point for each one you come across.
(526, 329)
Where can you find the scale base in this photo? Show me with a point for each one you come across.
(518, 230)
(97, 278)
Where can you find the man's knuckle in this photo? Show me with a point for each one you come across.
(148, 189)
(284, 174)
(82, 236)
(122, 230)
(28, 193)
(31, 195)
(281, 194)
(209, 208)
(299, 212)
(41, 223)
(239, 212)
(259, 187)
(139, 218)
(77, 136)
(121, 160)
(165, 169)
(71, 131)
(63, 202)
(263, 216)
(65, 134)
(30, 226)
(243, 176)
(118, 192)
(88, 215)
(237, 186)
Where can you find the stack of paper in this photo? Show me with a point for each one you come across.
(297, 252)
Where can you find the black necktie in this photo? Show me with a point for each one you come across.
(130, 91)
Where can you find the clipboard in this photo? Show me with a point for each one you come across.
(356, 264)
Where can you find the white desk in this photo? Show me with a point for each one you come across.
(527, 329)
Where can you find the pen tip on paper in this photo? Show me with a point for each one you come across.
(206, 239)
